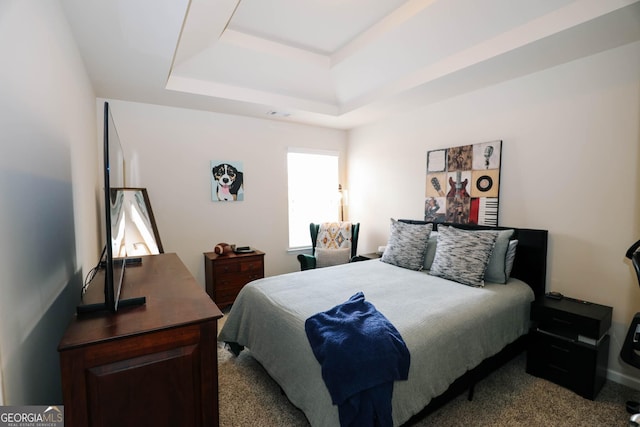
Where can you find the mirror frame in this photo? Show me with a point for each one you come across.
(152, 218)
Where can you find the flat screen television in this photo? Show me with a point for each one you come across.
(113, 257)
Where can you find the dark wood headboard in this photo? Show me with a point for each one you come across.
(530, 264)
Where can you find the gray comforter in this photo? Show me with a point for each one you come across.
(448, 328)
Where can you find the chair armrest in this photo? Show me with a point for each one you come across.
(307, 262)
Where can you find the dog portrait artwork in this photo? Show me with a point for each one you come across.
(227, 181)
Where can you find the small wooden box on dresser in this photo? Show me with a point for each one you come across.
(225, 275)
(569, 344)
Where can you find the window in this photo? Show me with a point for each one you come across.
(313, 192)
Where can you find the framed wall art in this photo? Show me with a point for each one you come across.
(463, 184)
(227, 181)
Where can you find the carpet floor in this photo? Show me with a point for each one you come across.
(507, 397)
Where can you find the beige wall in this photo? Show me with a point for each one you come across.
(570, 158)
(168, 152)
(570, 165)
(48, 183)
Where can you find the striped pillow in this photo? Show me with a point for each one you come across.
(407, 245)
(462, 256)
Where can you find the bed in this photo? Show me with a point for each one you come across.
(454, 332)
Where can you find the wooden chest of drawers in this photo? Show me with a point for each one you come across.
(225, 275)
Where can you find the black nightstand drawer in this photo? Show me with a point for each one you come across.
(556, 352)
(572, 318)
(574, 365)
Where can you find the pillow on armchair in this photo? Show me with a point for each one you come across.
(331, 237)
(334, 235)
(329, 257)
(333, 244)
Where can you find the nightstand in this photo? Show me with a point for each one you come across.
(569, 344)
(367, 257)
(225, 275)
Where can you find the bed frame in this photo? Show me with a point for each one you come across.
(530, 266)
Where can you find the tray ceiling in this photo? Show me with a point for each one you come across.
(338, 63)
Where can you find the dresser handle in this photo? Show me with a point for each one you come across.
(557, 347)
(566, 322)
(558, 368)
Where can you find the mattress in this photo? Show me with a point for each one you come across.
(449, 328)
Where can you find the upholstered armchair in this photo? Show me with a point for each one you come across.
(332, 243)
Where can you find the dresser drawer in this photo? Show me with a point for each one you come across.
(226, 267)
(238, 272)
(226, 296)
(236, 281)
(239, 265)
(252, 265)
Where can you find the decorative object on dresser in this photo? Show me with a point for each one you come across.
(569, 343)
(149, 365)
(223, 248)
(463, 184)
(226, 274)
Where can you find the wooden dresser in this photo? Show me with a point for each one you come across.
(225, 275)
(152, 365)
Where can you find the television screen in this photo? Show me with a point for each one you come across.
(114, 220)
(114, 223)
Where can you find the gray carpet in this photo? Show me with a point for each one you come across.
(508, 397)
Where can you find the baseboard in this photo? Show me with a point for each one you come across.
(623, 379)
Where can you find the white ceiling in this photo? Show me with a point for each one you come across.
(337, 63)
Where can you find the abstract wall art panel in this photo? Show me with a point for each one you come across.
(463, 184)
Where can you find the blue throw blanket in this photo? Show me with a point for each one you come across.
(361, 354)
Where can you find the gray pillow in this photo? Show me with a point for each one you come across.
(407, 245)
(462, 256)
(431, 250)
(496, 269)
(511, 255)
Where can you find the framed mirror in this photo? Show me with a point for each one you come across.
(137, 226)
